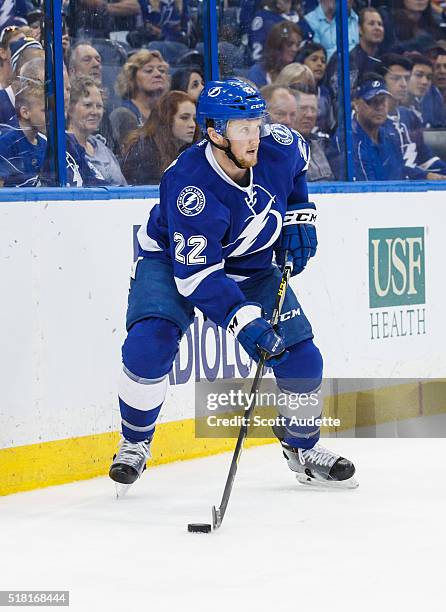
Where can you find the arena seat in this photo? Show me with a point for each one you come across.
(169, 49)
(436, 140)
(112, 52)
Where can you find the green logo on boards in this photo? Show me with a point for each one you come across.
(396, 266)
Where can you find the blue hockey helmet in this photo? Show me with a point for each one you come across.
(222, 101)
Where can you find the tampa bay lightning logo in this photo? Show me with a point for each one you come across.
(281, 134)
(261, 228)
(191, 201)
(214, 92)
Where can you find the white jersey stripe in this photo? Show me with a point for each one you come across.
(186, 286)
(145, 241)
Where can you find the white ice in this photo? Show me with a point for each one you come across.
(282, 546)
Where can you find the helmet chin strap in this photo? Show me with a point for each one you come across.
(228, 152)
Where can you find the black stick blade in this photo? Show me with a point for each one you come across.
(199, 528)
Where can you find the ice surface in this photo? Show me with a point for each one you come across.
(282, 546)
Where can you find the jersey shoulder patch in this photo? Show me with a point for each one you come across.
(288, 137)
(281, 134)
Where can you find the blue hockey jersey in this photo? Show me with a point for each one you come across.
(20, 160)
(418, 158)
(261, 26)
(13, 12)
(217, 233)
(8, 117)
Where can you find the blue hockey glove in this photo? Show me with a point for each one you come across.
(298, 236)
(255, 334)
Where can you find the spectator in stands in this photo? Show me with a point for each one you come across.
(281, 105)
(437, 54)
(80, 171)
(377, 156)
(85, 61)
(297, 76)
(97, 18)
(271, 12)
(66, 43)
(396, 71)
(9, 35)
(163, 20)
(307, 112)
(170, 128)
(415, 26)
(35, 21)
(7, 109)
(22, 50)
(322, 21)
(31, 72)
(420, 162)
(424, 98)
(144, 78)
(22, 150)
(85, 113)
(281, 47)
(189, 80)
(314, 56)
(364, 57)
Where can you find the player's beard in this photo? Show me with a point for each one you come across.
(247, 162)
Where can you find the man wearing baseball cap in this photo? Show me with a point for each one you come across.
(377, 157)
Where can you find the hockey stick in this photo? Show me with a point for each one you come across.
(219, 513)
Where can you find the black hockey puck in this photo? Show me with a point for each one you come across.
(199, 528)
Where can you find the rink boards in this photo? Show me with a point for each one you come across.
(374, 294)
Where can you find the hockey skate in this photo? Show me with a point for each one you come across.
(129, 464)
(320, 466)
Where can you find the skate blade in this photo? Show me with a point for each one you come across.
(121, 489)
(350, 483)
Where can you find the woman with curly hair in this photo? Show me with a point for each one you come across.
(170, 128)
(85, 112)
(281, 47)
(144, 78)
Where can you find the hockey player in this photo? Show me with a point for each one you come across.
(210, 244)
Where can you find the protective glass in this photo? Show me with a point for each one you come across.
(114, 48)
(262, 43)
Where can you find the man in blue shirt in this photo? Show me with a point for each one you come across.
(323, 23)
(377, 156)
